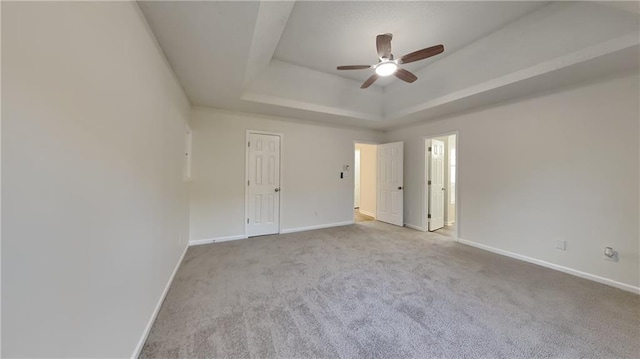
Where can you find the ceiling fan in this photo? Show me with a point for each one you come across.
(387, 65)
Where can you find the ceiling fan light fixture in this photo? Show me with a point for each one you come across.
(388, 65)
(386, 68)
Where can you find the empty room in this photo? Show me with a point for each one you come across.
(320, 179)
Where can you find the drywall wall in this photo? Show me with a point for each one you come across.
(368, 165)
(93, 201)
(568, 170)
(313, 194)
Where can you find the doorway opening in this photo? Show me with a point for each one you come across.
(440, 207)
(365, 184)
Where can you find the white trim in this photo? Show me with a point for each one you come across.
(147, 330)
(320, 226)
(362, 142)
(246, 177)
(575, 272)
(196, 242)
(413, 226)
(366, 213)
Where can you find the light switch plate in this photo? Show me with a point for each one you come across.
(560, 244)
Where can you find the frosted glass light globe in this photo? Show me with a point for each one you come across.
(386, 68)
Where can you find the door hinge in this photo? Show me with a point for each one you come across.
(248, 144)
(247, 220)
(429, 183)
(429, 148)
(429, 215)
(247, 182)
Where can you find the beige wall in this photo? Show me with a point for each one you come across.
(313, 194)
(567, 170)
(94, 209)
(368, 163)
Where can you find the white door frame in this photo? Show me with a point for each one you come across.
(425, 191)
(246, 177)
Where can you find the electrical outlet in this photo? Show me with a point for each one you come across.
(560, 244)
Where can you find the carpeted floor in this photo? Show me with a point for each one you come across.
(372, 290)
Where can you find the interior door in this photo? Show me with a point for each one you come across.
(263, 184)
(356, 178)
(436, 185)
(390, 200)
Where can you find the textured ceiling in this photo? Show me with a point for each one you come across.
(279, 57)
(322, 35)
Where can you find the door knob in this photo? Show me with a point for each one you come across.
(399, 187)
(277, 189)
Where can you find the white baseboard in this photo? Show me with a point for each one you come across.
(195, 242)
(320, 226)
(145, 334)
(417, 228)
(575, 272)
(367, 213)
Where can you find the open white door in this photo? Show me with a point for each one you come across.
(436, 185)
(356, 177)
(263, 184)
(390, 200)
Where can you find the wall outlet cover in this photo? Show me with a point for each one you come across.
(610, 255)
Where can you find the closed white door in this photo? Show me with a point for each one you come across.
(356, 178)
(390, 200)
(436, 185)
(263, 184)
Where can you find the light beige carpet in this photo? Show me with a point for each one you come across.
(377, 291)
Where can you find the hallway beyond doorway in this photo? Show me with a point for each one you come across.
(360, 217)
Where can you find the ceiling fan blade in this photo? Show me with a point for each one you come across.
(383, 44)
(369, 81)
(421, 54)
(405, 75)
(354, 67)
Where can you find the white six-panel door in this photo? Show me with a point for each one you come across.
(390, 201)
(356, 177)
(263, 184)
(436, 185)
